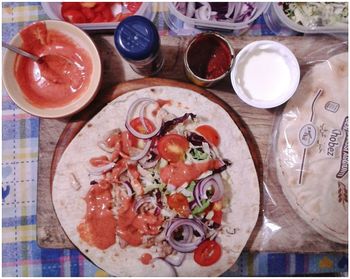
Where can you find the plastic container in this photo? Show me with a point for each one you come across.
(183, 25)
(137, 40)
(53, 10)
(265, 74)
(279, 23)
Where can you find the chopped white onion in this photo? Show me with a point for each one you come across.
(100, 170)
(137, 134)
(104, 147)
(206, 147)
(74, 182)
(142, 153)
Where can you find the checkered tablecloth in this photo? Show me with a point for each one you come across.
(21, 256)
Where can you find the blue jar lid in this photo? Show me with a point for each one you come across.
(136, 38)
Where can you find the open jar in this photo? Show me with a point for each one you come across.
(208, 59)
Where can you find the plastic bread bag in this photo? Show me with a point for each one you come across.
(305, 206)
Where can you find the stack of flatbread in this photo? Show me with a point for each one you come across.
(312, 149)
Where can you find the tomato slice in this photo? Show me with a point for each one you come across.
(99, 7)
(88, 4)
(207, 253)
(132, 6)
(70, 6)
(217, 218)
(88, 13)
(172, 147)
(74, 16)
(179, 203)
(99, 161)
(138, 126)
(209, 133)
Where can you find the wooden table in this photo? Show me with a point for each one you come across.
(278, 229)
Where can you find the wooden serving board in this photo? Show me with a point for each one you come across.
(278, 229)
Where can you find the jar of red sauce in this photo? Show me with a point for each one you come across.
(208, 59)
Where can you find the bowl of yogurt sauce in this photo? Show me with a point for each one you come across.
(266, 74)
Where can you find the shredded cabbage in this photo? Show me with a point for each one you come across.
(317, 14)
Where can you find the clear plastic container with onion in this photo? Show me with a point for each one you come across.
(189, 18)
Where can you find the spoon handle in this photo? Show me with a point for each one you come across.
(20, 51)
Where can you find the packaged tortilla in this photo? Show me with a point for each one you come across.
(312, 149)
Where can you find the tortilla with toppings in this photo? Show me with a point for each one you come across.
(312, 149)
(159, 183)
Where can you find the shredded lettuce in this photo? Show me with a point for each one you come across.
(199, 209)
(317, 14)
(198, 154)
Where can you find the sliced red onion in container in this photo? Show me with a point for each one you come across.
(181, 7)
(142, 153)
(200, 190)
(100, 170)
(129, 116)
(191, 8)
(184, 246)
(203, 12)
(231, 7)
(237, 11)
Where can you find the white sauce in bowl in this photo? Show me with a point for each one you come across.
(266, 74)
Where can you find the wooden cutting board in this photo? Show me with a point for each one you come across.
(278, 229)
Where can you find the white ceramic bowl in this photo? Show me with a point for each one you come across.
(14, 91)
(242, 75)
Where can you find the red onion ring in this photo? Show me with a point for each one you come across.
(127, 186)
(143, 200)
(203, 185)
(142, 153)
(128, 119)
(142, 115)
(148, 163)
(184, 246)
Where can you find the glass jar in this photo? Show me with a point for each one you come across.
(137, 40)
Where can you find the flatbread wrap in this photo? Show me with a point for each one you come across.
(312, 149)
(186, 208)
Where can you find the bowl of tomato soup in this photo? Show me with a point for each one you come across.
(66, 78)
(208, 59)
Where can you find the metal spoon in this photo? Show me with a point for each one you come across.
(37, 59)
(22, 52)
(47, 63)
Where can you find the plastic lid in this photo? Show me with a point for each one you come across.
(136, 38)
